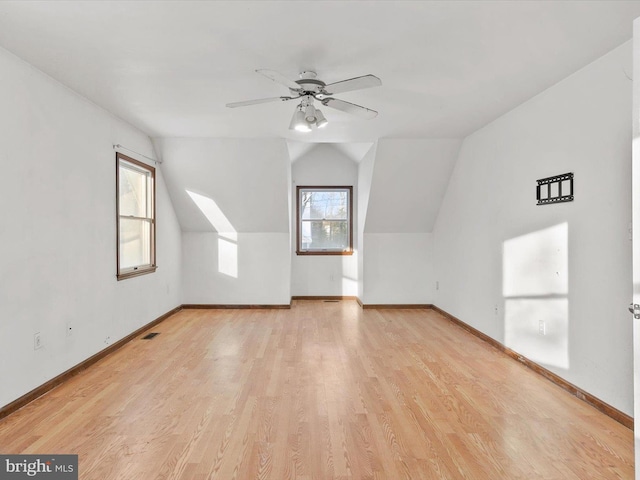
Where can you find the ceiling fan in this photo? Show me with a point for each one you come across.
(308, 89)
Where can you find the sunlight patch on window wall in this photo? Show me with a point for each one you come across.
(349, 275)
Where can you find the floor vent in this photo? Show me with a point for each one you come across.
(331, 301)
(149, 336)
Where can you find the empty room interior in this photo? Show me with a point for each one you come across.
(319, 239)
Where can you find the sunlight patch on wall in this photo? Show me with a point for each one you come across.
(546, 343)
(537, 263)
(535, 287)
(228, 257)
(227, 235)
(349, 275)
(216, 217)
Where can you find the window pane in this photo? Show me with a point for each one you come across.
(324, 222)
(320, 205)
(325, 235)
(135, 241)
(135, 216)
(133, 192)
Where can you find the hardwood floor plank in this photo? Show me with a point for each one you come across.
(321, 391)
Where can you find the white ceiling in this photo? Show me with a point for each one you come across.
(447, 68)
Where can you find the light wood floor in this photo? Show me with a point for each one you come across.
(321, 391)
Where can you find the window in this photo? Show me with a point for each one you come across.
(135, 206)
(324, 221)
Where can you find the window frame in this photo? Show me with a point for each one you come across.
(135, 271)
(349, 190)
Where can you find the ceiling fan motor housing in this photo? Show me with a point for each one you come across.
(310, 86)
(309, 83)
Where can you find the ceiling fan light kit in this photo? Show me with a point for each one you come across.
(320, 120)
(298, 121)
(308, 89)
(307, 116)
(310, 114)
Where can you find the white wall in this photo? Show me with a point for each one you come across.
(325, 275)
(403, 194)
(365, 176)
(398, 268)
(58, 256)
(252, 270)
(236, 244)
(505, 264)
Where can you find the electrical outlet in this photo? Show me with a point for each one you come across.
(542, 327)
(37, 341)
(69, 329)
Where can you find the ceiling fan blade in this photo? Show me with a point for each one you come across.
(357, 83)
(352, 108)
(279, 78)
(258, 101)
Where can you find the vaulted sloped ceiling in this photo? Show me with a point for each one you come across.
(236, 185)
(447, 67)
(408, 184)
(355, 151)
